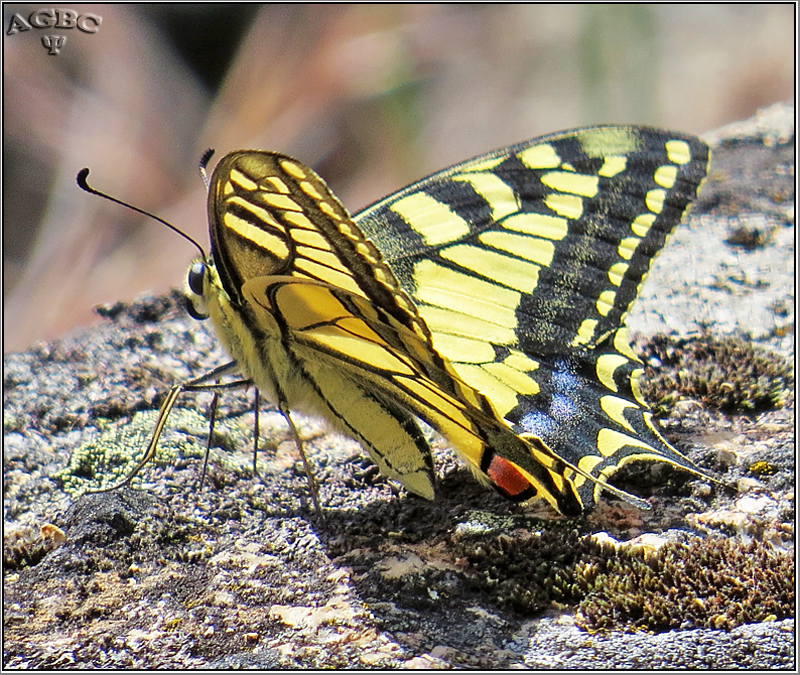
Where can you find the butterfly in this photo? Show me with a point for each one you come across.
(487, 300)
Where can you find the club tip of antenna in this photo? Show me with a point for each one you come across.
(81, 178)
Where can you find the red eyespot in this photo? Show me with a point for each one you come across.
(509, 481)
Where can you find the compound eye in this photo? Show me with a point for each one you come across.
(196, 276)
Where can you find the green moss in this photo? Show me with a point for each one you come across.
(109, 459)
(717, 583)
(711, 583)
(729, 374)
(527, 573)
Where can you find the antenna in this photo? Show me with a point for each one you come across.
(83, 173)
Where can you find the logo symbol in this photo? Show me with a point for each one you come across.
(54, 18)
(54, 43)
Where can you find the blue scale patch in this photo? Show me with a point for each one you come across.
(539, 424)
(562, 408)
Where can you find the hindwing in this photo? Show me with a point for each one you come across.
(524, 262)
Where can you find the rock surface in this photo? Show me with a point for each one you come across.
(241, 573)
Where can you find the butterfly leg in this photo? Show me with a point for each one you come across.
(212, 417)
(195, 384)
(283, 407)
(256, 434)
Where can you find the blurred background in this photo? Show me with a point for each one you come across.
(371, 96)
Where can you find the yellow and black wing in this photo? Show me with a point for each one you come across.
(487, 299)
(523, 264)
